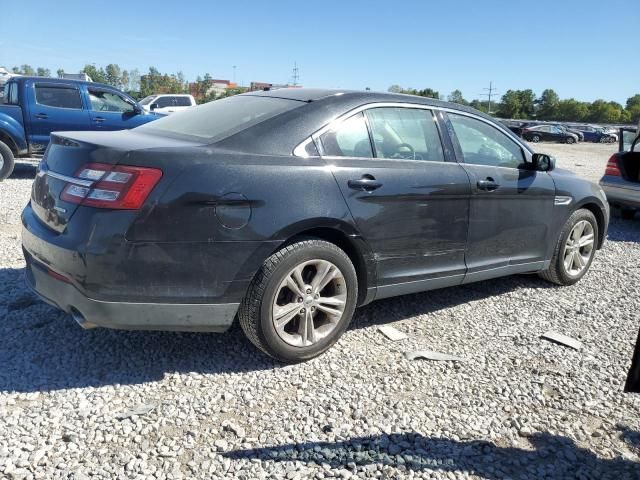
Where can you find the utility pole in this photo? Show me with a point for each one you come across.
(490, 93)
(296, 74)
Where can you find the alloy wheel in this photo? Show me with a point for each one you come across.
(309, 303)
(579, 248)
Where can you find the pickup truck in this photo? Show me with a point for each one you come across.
(33, 107)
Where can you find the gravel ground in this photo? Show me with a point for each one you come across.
(110, 404)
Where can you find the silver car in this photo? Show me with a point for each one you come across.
(621, 180)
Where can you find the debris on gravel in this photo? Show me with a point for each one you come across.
(517, 408)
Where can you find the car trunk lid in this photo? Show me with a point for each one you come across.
(68, 154)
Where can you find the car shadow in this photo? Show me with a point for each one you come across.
(43, 349)
(621, 230)
(546, 456)
(24, 170)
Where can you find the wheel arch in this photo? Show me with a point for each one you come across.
(594, 208)
(346, 237)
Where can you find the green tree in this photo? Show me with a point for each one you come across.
(395, 89)
(602, 111)
(97, 75)
(511, 105)
(60, 73)
(113, 75)
(571, 110)
(633, 108)
(27, 70)
(456, 97)
(548, 105)
(43, 72)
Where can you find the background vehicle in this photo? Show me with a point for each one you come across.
(572, 130)
(296, 206)
(167, 104)
(595, 134)
(621, 179)
(538, 133)
(36, 106)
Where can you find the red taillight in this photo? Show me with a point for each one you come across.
(121, 187)
(57, 276)
(612, 167)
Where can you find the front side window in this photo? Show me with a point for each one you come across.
(147, 100)
(483, 144)
(405, 133)
(349, 138)
(58, 96)
(103, 101)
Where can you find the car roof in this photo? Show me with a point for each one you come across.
(332, 95)
(60, 80)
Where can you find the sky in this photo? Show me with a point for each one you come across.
(582, 49)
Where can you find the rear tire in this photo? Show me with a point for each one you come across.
(7, 161)
(535, 138)
(570, 140)
(558, 272)
(272, 292)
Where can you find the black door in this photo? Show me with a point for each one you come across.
(410, 205)
(511, 206)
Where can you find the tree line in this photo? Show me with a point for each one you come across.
(523, 104)
(139, 85)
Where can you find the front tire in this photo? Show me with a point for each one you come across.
(7, 161)
(535, 138)
(574, 250)
(570, 140)
(301, 301)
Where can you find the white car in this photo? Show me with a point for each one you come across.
(167, 103)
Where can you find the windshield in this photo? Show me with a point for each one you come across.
(219, 119)
(147, 100)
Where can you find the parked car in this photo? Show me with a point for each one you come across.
(538, 133)
(572, 130)
(289, 208)
(515, 126)
(595, 134)
(621, 179)
(167, 103)
(36, 106)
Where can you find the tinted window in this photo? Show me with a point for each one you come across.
(61, 97)
(102, 101)
(163, 102)
(406, 133)
(483, 144)
(349, 138)
(221, 118)
(13, 93)
(183, 101)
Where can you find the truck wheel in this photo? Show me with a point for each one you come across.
(6, 161)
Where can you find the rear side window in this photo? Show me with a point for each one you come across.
(60, 97)
(483, 144)
(405, 133)
(163, 102)
(11, 93)
(183, 101)
(103, 101)
(219, 119)
(349, 138)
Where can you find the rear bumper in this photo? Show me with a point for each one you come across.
(90, 313)
(620, 191)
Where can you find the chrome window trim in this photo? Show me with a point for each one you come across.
(301, 149)
(433, 108)
(65, 178)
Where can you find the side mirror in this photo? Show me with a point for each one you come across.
(542, 162)
(137, 109)
(154, 106)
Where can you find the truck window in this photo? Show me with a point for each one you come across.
(58, 96)
(12, 99)
(183, 101)
(103, 101)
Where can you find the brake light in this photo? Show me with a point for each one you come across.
(612, 167)
(120, 187)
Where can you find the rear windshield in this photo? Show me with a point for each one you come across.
(219, 119)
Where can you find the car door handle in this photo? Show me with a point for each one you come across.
(367, 183)
(488, 184)
(41, 116)
(98, 119)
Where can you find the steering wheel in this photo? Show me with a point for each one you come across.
(408, 154)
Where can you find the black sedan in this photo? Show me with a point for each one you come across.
(287, 209)
(538, 133)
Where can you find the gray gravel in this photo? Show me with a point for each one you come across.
(109, 404)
